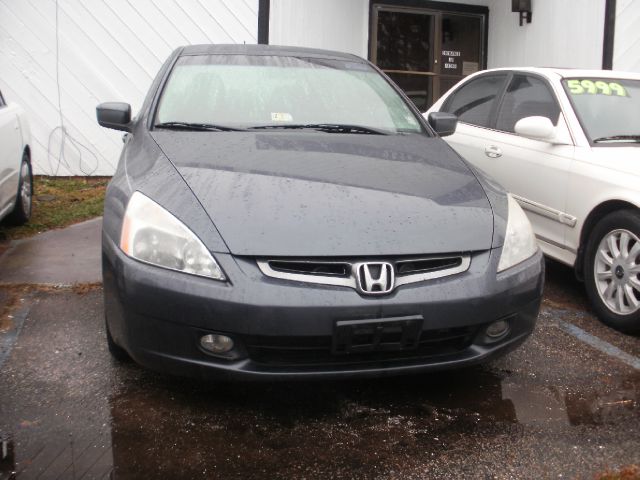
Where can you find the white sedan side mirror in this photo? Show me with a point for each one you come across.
(539, 128)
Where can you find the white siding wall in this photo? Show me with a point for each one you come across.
(626, 50)
(341, 25)
(110, 50)
(563, 33)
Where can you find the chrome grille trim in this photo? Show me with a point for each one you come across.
(351, 280)
(465, 262)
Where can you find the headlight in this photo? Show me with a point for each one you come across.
(519, 242)
(152, 235)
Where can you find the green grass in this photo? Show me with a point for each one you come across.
(59, 202)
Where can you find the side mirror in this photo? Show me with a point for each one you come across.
(538, 128)
(443, 123)
(116, 115)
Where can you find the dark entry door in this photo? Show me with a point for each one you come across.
(426, 51)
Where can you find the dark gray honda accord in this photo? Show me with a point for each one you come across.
(286, 213)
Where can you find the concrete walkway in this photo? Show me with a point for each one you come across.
(57, 257)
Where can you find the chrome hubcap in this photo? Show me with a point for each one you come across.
(25, 191)
(617, 271)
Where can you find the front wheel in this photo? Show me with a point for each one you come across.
(22, 209)
(612, 270)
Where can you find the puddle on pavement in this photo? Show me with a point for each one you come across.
(184, 429)
(179, 428)
(557, 405)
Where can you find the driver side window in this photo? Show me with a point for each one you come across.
(527, 96)
(474, 102)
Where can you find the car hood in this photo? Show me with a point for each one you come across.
(621, 157)
(320, 194)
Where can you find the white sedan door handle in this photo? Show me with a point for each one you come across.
(492, 151)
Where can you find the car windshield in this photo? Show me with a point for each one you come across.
(608, 108)
(225, 92)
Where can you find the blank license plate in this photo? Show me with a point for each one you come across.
(379, 335)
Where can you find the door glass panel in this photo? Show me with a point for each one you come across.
(526, 96)
(474, 102)
(404, 41)
(461, 48)
(418, 88)
(404, 50)
(426, 51)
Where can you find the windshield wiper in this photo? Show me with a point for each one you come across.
(618, 138)
(197, 126)
(324, 127)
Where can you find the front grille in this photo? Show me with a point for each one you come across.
(316, 351)
(426, 265)
(337, 269)
(344, 272)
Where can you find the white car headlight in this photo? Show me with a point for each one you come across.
(152, 235)
(519, 241)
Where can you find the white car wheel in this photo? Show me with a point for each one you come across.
(22, 209)
(612, 270)
(616, 270)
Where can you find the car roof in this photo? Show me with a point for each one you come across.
(570, 72)
(271, 50)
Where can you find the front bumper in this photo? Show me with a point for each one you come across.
(284, 329)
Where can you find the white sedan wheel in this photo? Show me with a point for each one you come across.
(617, 271)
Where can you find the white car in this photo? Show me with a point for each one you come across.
(566, 144)
(16, 179)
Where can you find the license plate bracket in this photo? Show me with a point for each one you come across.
(376, 335)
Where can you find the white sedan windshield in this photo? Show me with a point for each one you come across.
(249, 91)
(609, 109)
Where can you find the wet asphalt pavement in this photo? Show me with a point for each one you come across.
(558, 407)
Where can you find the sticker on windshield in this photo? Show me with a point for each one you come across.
(596, 87)
(281, 117)
(410, 120)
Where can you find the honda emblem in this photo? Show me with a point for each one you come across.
(375, 278)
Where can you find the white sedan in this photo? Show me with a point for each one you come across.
(566, 144)
(16, 179)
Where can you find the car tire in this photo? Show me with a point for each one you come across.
(22, 210)
(612, 270)
(116, 351)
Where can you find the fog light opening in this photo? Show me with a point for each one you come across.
(218, 344)
(497, 329)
